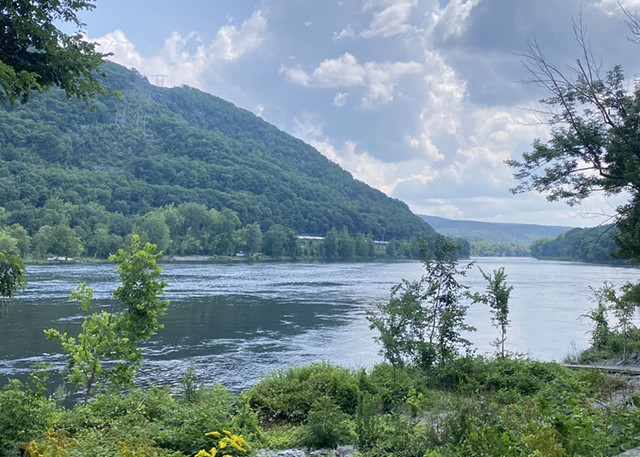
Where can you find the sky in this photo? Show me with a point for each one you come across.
(422, 99)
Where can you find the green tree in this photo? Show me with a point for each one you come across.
(623, 307)
(346, 245)
(101, 244)
(12, 277)
(139, 292)
(364, 246)
(8, 243)
(330, 244)
(398, 322)
(424, 320)
(251, 239)
(497, 297)
(23, 241)
(116, 336)
(59, 240)
(594, 139)
(280, 241)
(152, 228)
(35, 54)
(226, 240)
(601, 333)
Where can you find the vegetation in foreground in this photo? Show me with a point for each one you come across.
(471, 407)
(428, 400)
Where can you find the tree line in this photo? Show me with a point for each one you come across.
(63, 230)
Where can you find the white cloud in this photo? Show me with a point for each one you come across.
(389, 18)
(359, 163)
(296, 76)
(452, 19)
(123, 50)
(340, 99)
(185, 59)
(344, 71)
(612, 7)
(344, 33)
(232, 43)
(379, 79)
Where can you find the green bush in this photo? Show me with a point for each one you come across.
(392, 386)
(25, 414)
(477, 374)
(465, 374)
(288, 396)
(184, 428)
(400, 437)
(523, 376)
(327, 425)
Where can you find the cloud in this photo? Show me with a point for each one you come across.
(344, 71)
(380, 79)
(231, 43)
(360, 163)
(123, 50)
(296, 76)
(344, 33)
(340, 99)
(389, 18)
(612, 7)
(186, 59)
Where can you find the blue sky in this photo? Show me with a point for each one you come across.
(422, 99)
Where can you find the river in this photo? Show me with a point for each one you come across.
(239, 321)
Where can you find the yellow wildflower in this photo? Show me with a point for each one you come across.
(211, 453)
(214, 434)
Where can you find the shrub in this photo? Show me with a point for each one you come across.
(25, 414)
(392, 386)
(327, 425)
(288, 396)
(399, 437)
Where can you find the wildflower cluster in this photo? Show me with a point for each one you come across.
(229, 445)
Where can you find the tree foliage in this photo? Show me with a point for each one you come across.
(497, 297)
(424, 320)
(12, 277)
(594, 245)
(115, 337)
(617, 337)
(594, 143)
(36, 54)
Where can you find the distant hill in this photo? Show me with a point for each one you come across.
(157, 146)
(496, 232)
(594, 245)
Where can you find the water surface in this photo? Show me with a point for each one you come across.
(239, 321)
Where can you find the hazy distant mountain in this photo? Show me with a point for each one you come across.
(522, 234)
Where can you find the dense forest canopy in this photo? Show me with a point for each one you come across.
(154, 147)
(594, 245)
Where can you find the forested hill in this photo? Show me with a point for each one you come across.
(156, 146)
(495, 239)
(493, 231)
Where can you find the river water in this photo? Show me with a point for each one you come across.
(239, 321)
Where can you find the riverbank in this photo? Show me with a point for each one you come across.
(468, 407)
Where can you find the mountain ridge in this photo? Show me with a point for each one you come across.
(159, 146)
(497, 232)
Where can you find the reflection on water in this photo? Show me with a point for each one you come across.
(237, 322)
